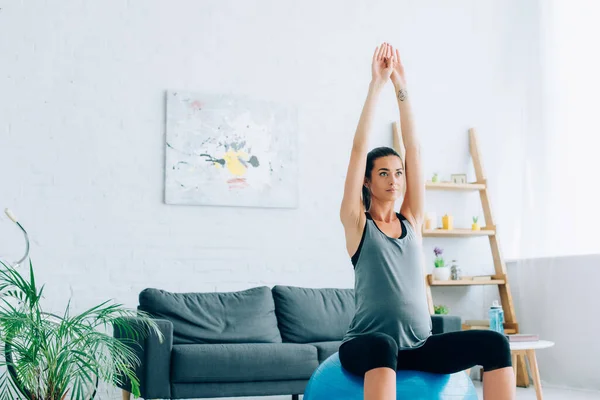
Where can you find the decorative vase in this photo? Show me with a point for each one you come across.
(430, 221)
(475, 227)
(455, 273)
(447, 222)
(441, 273)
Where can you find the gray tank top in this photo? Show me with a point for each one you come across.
(389, 287)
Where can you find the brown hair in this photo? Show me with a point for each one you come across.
(373, 155)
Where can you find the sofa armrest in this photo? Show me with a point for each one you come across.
(154, 370)
(445, 323)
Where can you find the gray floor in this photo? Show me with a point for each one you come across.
(550, 393)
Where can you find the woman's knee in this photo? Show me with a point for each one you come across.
(497, 350)
(380, 343)
(367, 352)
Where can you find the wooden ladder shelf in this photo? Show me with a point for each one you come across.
(489, 230)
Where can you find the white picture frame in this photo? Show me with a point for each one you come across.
(458, 178)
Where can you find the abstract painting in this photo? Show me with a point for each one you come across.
(226, 150)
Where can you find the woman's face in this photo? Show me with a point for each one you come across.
(387, 179)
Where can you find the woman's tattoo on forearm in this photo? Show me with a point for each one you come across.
(402, 94)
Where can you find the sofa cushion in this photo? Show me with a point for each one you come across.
(247, 316)
(445, 323)
(192, 363)
(326, 349)
(307, 315)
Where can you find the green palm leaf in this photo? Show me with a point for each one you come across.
(55, 356)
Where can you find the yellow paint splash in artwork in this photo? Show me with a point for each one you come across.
(233, 163)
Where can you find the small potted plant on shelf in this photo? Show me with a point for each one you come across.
(441, 309)
(435, 178)
(475, 226)
(441, 272)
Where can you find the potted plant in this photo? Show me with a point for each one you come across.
(441, 309)
(50, 357)
(441, 272)
(45, 356)
(475, 225)
(435, 178)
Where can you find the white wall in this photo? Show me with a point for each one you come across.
(82, 151)
(569, 65)
(554, 282)
(554, 298)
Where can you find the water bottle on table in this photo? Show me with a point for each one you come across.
(496, 317)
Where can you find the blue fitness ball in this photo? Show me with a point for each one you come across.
(331, 381)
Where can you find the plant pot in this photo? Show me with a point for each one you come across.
(475, 227)
(441, 274)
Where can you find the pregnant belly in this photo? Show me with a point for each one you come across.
(410, 313)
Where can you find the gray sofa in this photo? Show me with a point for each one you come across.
(255, 342)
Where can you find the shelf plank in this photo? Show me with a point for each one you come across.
(507, 330)
(457, 232)
(454, 186)
(464, 282)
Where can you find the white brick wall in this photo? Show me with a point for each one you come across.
(82, 132)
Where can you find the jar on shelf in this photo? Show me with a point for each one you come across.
(455, 272)
(430, 221)
(447, 222)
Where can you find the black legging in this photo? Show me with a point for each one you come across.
(444, 353)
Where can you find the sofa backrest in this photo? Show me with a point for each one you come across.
(246, 316)
(306, 315)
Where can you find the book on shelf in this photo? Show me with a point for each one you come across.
(523, 337)
(477, 322)
(478, 327)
